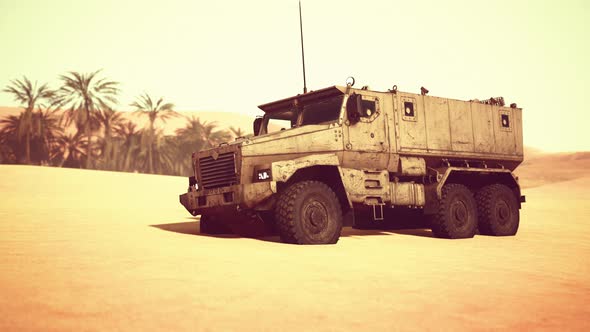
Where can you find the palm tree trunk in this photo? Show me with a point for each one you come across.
(150, 148)
(28, 148)
(27, 118)
(108, 153)
(65, 157)
(88, 147)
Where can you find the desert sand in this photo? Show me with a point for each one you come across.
(104, 251)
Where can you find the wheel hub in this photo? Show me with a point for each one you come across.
(503, 212)
(459, 213)
(316, 217)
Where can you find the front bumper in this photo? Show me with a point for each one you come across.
(241, 196)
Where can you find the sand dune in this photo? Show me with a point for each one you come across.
(544, 168)
(91, 250)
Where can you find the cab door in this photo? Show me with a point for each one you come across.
(366, 143)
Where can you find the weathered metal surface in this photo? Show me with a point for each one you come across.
(461, 125)
(283, 170)
(447, 127)
(366, 185)
(410, 122)
(289, 145)
(367, 143)
(255, 193)
(407, 194)
(438, 126)
(483, 128)
(413, 166)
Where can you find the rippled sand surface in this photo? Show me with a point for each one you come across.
(104, 251)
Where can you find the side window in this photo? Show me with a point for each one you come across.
(278, 125)
(505, 121)
(367, 108)
(370, 109)
(409, 110)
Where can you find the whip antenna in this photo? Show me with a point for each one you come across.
(302, 53)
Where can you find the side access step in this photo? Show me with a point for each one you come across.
(378, 211)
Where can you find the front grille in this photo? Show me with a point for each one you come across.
(220, 172)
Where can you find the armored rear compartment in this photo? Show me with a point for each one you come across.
(435, 128)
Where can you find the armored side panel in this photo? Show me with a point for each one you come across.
(367, 143)
(440, 128)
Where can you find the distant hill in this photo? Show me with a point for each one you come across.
(541, 168)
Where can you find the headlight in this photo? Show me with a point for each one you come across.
(192, 183)
(262, 175)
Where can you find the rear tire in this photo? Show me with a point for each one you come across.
(498, 211)
(308, 212)
(457, 214)
(212, 225)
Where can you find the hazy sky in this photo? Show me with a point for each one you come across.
(235, 55)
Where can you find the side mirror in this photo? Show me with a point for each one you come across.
(353, 108)
(257, 124)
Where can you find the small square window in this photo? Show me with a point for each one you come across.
(409, 109)
(505, 121)
(368, 108)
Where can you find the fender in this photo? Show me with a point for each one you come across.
(282, 171)
(465, 174)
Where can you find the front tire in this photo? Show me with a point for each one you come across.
(498, 211)
(309, 212)
(457, 214)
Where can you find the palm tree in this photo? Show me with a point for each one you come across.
(163, 152)
(195, 136)
(237, 132)
(144, 105)
(44, 128)
(6, 154)
(189, 139)
(217, 137)
(29, 95)
(83, 95)
(70, 149)
(110, 121)
(128, 139)
(11, 142)
(202, 134)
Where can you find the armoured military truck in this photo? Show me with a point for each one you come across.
(347, 156)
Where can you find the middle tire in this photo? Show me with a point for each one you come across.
(308, 212)
(457, 214)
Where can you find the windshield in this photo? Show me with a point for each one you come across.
(280, 120)
(323, 111)
(317, 112)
